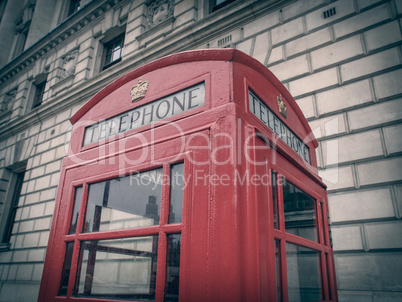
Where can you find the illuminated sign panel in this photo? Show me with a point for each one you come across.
(265, 115)
(171, 105)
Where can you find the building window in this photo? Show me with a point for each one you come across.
(23, 23)
(39, 91)
(217, 4)
(74, 7)
(9, 209)
(20, 42)
(113, 52)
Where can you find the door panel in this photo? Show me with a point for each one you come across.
(291, 207)
(124, 232)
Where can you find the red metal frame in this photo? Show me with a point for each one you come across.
(228, 239)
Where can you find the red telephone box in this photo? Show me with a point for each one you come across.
(192, 178)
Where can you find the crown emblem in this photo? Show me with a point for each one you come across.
(138, 91)
(282, 106)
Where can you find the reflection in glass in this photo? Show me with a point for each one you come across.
(275, 199)
(76, 209)
(124, 203)
(300, 215)
(278, 271)
(176, 193)
(328, 277)
(304, 280)
(118, 268)
(173, 268)
(65, 275)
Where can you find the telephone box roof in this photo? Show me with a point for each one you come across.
(226, 55)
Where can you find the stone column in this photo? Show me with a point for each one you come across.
(41, 21)
(8, 28)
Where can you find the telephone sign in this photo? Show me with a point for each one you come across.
(171, 105)
(265, 115)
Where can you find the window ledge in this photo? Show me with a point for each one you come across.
(4, 247)
(4, 117)
(111, 64)
(62, 81)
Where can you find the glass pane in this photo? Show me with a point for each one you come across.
(328, 277)
(278, 271)
(76, 209)
(173, 268)
(116, 54)
(108, 59)
(275, 199)
(300, 215)
(109, 48)
(324, 227)
(176, 193)
(304, 280)
(74, 6)
(217, 2)
(65, 275)
(124, 203)
(118, 268)
(10, 218)
(118, 45)
(116, 48)
(40, 90)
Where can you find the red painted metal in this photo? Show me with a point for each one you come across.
(228, 238)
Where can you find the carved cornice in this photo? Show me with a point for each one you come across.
(158, 11)
(68, 65)
(184, 39)
(62, 32)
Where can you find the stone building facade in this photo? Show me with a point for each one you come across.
(341, 61)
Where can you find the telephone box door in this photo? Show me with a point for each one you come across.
(120, 231)
(293, 208)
